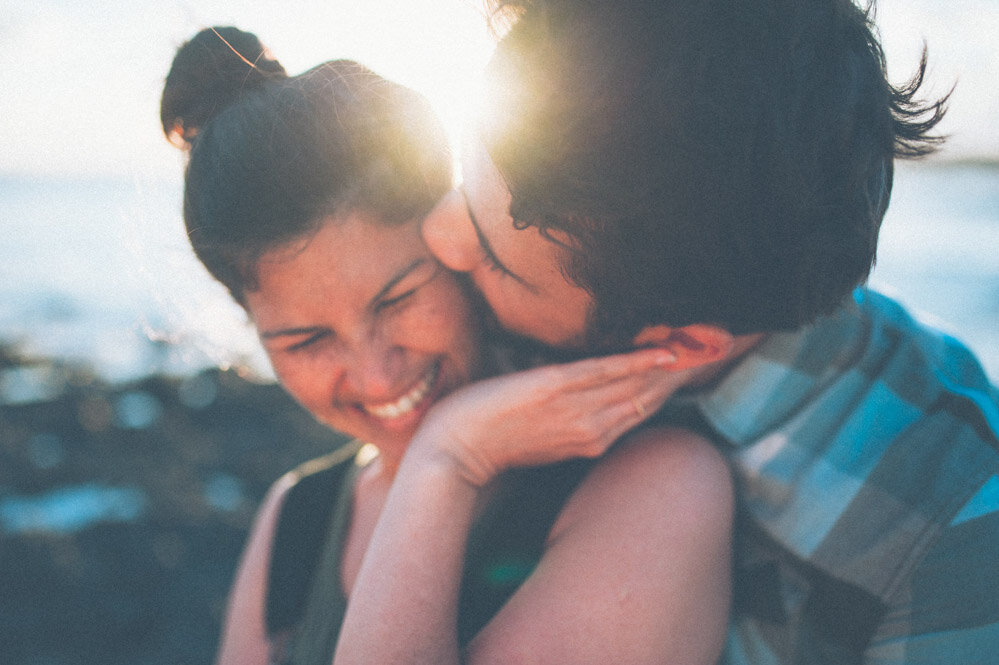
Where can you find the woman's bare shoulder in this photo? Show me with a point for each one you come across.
(636, 564)
(657, 467)
(244, 633)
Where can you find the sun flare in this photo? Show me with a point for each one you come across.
(437, 47)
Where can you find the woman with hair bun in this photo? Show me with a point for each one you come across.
(304, 196)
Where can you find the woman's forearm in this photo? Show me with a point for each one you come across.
(404, 603)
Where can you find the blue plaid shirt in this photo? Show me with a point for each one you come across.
(866, 459)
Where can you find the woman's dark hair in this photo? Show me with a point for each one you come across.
(271, 156)
(714, 161)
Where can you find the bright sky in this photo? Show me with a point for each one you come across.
(81, 80)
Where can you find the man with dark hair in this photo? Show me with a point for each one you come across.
(710, 177)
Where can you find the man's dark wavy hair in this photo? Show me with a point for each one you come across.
(713, 161)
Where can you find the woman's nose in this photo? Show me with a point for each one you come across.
(449, 234)
(373, 369)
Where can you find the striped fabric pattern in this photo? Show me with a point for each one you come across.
(866, 458)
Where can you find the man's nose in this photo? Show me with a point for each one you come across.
(449, 234)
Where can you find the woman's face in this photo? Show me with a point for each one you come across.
(364, 328)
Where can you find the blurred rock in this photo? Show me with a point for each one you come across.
(134, 586)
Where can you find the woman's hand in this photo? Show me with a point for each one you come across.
(546, 414)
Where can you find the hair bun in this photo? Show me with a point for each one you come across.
(210, 72)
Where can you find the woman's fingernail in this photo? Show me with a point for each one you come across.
(666, 358)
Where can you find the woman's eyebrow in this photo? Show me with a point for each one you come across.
(487, 248)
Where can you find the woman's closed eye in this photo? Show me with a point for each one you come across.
(402, 294)
(310, 340)
(389, 303)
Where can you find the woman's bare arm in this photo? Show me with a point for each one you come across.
(244, 633)
(629, 571)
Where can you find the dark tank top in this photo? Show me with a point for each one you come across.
(305, 601)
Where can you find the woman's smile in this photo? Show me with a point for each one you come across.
(416, 398)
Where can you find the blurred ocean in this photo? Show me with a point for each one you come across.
(99, 271)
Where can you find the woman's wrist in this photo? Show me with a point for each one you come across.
(438, 449)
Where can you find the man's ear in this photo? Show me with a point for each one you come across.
(693, 346)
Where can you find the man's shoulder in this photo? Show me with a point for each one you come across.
(925, 368)
(870, 349)
(858, 440)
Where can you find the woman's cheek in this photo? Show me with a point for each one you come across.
(295, 380)
(448, 316)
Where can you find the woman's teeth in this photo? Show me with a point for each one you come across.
(407, 402)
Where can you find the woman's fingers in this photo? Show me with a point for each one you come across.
(610, 378)
(598, 411)
(639, 379)
(617, 402)
(610, 368)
